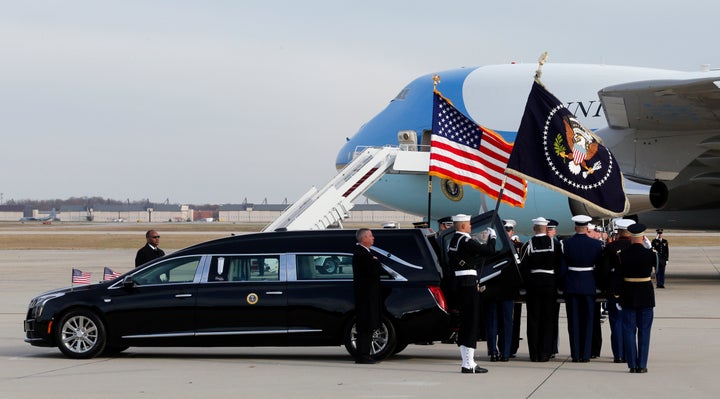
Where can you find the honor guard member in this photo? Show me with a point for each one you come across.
(660, 245)
(444, 223)
(552, 233)
(609, 280)
(509, 225)
(465, 256)
(580, 255)
(540, 259)
(637, 299)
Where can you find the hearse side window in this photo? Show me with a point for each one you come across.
(324, 267)
(244, 268)
(179, 270)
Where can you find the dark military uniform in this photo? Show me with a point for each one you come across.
(581, 254)
(611, 285)
(637, 299)
(661, 246)
(464, 256)
(540, 267)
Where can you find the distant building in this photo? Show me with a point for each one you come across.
(229, 213)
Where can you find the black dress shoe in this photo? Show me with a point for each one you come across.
(618, 361)
(493, 358)
(633, 370)
(365, 360)
(641, 370)
(502, 359)
(476, 370)
(544, 359)
(661, 286)
(584, 360)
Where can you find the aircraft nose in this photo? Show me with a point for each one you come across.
(411, 109)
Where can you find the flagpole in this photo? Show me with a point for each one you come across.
(436, 80)
(541, 62)
(497, 203)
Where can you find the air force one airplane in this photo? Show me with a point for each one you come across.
(663, 127)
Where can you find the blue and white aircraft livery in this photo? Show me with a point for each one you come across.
(663, 126)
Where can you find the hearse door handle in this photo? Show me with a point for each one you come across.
(274, 293)
(183, 295)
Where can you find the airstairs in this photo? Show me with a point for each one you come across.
(319, 209)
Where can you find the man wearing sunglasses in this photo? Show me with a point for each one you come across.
(150, 250)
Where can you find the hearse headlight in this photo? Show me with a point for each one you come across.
(38, 303)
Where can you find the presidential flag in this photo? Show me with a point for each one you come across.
(471, 154)
(80, 277)
(109, 274)
(554, 150)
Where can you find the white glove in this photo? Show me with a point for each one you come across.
(491, 232)
(617, 305)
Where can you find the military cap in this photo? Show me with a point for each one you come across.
(636, 229)
(540, 221)
(581, 220)
(461, 218)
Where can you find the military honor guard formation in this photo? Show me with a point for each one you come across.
(581, 270)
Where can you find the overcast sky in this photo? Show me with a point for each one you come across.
(219, 101)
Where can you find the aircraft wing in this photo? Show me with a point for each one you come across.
(664, 105)
(662, 129)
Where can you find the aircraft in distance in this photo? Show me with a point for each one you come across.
(663, 127)
(51, 217)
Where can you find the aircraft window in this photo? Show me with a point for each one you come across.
(402, 95)
(324, 267)
(181, 270)
(244, 268)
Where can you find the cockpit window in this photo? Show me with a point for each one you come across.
(402, 95)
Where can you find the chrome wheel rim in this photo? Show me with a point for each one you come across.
(379, 338)
(79, 334)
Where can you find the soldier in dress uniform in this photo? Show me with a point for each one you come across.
(509, 225)
(660, 245)
(465, 256)
(580, 256)
(637, 299)
(540, 259)
(552, 233)
(609, 280)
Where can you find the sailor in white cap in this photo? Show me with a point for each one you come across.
(637, 299)
(540, 265)
(581, 254)
(609, 281)
(464, 253)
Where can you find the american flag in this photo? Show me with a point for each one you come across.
(109, 274)
(471, 154)
(80, 277)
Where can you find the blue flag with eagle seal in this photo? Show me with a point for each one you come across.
(554, 150)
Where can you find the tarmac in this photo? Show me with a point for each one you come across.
(684, 354)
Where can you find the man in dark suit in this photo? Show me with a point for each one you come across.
(367, 270)
(150, 250)
(581, 254)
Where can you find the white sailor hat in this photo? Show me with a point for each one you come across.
(591, 226)
(540, 221)
(461, 218)
(581, 220)
(509, 223)
(623, 224)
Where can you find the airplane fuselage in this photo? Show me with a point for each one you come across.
(493, 96)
